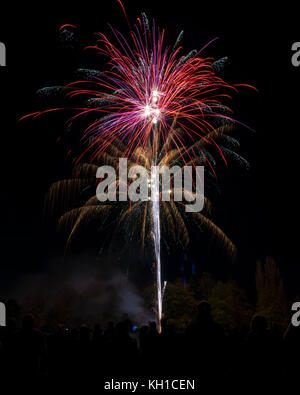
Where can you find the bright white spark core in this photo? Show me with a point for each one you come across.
(152, 109)
(156, 239)
(147, 111)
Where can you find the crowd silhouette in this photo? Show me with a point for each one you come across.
(121, 349)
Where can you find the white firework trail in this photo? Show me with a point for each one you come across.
(156, 241)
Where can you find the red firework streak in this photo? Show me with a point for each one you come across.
(147, 86)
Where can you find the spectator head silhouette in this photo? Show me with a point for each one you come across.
(152, 327)
(110, 325)
(84, 333)
(11, 325)
(203, 310)
(164, 324)
(28, 322)
(122, 329)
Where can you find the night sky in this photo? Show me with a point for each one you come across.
(258, 209)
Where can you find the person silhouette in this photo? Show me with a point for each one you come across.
(31, 348)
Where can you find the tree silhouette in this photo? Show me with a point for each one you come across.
(230, 305)
(271, 297)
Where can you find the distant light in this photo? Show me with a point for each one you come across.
(154, 93)
(154, 120)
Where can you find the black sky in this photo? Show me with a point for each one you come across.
(258, 210)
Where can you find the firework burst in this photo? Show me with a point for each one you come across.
(75, 202)
(150, 223)
(147, 86)
(154, 106)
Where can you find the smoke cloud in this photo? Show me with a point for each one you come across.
(81, 290)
